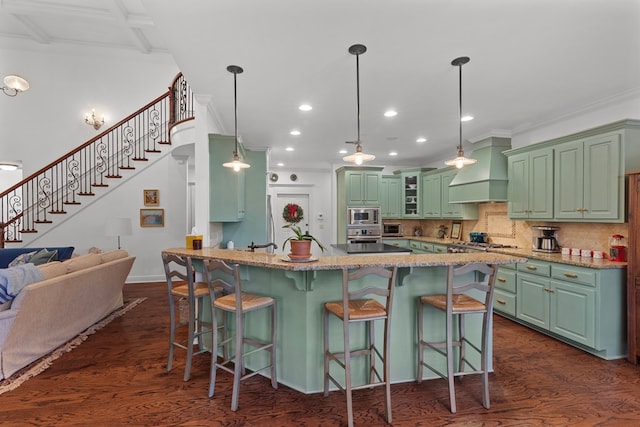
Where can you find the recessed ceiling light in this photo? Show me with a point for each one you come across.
(305, 107)
(421, 140)
(289, 148)
(466, 118)
(294, 132)
(393, 153)
(343, 151)
(280, 164)
(390, 113)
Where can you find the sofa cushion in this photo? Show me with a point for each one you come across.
(44, 256)
(83, 261)
(22, 258)
(113, 255)
(53, 269)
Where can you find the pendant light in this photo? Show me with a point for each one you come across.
(460, 159)
(236, 164)
(359, 156)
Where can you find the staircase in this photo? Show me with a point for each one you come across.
(89, 169)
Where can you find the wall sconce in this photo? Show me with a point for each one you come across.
(13, 85)
(92, 120)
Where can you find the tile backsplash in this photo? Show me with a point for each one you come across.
(493, 220)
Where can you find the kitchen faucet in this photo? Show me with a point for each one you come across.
(253, 246)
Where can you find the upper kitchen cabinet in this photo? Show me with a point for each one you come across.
(431, 196)
(582, 181)
(226, 187)
(390, 193)
(589, 179)
(435, 197)
(359, 186)
(410, 201)
(530, 189)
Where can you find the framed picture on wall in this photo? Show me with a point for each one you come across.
(456, 229)
(151, 198)
(151, 217)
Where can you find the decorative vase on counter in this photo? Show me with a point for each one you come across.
(300, 249)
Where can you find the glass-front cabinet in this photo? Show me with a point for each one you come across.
(411, 204)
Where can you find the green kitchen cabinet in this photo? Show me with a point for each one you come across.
(411, 193)
(431, 196)
(390, 193)
(418, 247)
(435, 197)
(582, 306)
(226, 186)
(359, 186)
(504, 295)
(589, 179)
(530, 189)
(439, 249)
(401, 243)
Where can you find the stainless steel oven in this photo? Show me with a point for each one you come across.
(364, 234)
(367, 215)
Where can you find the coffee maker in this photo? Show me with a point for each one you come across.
(544, 239)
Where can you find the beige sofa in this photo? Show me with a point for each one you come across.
(74, 295)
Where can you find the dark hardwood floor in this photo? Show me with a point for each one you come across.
(118, 377)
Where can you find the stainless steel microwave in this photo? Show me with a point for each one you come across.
(363, 215)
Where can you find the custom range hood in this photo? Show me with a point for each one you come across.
(486, 180)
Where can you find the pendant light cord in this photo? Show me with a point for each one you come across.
(460, 106)
(235, 113)
(358, 94)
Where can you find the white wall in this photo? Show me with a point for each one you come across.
(42, 124)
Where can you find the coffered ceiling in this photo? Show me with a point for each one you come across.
(532, 62)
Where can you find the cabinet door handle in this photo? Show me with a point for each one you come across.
(548, 290)
(501, 279)
(531, 267)
(571, 275)
(501, 301)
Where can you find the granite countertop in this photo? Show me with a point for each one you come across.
(349, 261)
(527, 252)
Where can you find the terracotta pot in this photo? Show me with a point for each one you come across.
(300, 249)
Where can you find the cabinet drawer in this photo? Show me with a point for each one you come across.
(506, 280)
(539, 268)
(426, 247)
(504, 302)
(584, 276)
(439, 249)
(414, 244)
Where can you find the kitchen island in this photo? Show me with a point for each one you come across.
(301, 289)
(367, 249)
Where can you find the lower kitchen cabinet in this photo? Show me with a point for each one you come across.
(581, 306)
(504, 295)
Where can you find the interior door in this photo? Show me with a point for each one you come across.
(282, 200)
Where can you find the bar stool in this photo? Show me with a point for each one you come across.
(180, 284)
(367, 310)
(456, 303)
(239, 304)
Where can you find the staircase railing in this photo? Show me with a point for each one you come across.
(65, 181)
